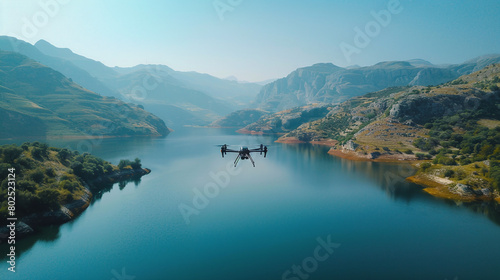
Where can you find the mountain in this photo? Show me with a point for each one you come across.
(287, 120)
(327, 83)
(153, 87)
(36, 100)
(95, 68)
(239, 118)
(237, 94)
(66, 67)
(453, 130)
(395, 117)
(420, 63)
(200, 97)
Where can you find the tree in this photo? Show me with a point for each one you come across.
(425, 166)
(37, 175)
(448, 173)
(48, 199)
(136, 164)
(11, 153)
(123, 163)
(495, 174)
(64, 154)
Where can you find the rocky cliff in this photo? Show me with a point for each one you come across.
(327, 83)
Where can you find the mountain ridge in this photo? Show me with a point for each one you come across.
(37, 101)
(328, 83)
(125, 82)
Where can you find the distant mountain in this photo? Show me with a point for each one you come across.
(202, 97)
(287, 120)
(66, 67)
(420, 63)
(395, 117)
(240, 118)
(95, 68)
(327, 83)
(237, 94)
(231, 78)
(265, 82)
(36, 100)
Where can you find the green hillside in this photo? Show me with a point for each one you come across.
(47, 178)
(455, 126)
(36, 100)
(286, 120)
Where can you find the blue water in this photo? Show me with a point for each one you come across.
(265, 221)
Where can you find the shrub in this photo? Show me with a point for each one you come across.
(425, 166)
(37, 175)
(64, 154)
(11, 153)
(449, 173)
(123, 163)
(49, 199)
(65, 196)
(136, 164)
(50, 172)
(460, 174)
(408, 151)
(465, 161)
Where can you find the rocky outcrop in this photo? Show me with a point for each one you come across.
(350, 146)
(422, 109)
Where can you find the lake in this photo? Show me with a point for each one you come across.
(299, 214)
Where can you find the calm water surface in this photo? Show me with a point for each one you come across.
(268, 220)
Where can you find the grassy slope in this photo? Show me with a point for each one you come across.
(47, 178)
(35, 92)
(370, 122)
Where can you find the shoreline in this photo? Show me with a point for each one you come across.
(379, 157)
(430, 185)
(80, 137)
(440, 190)
(28, 225)
(295, 140)
(253, 132)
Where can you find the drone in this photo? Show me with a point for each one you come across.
(243, 153)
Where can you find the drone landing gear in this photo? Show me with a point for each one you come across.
(236, 160)
(251, 159)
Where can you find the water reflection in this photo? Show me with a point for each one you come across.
(52, 233)
(391, 178)
(44, 235)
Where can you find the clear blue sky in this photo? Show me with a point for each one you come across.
(256, 39)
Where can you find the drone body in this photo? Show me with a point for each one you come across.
(243, 153)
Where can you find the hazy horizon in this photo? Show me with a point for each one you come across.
(257, 40)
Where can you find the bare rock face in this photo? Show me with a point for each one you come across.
(327, 83)
(350, 146)
(422, 109)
